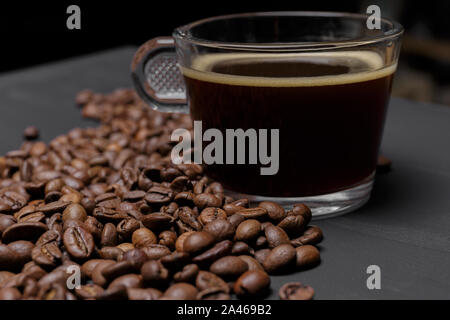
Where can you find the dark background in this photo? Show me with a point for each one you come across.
(35, 33)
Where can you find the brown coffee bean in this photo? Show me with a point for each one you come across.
(111, 253)
(248, 230)
(312, 235)
(88, 291)
(307, 256)
(157, 221)
(253, 283)
(94, 227)
(189, 217)
(8, 258)
(210, 214)
(154, 274)
(114, 293)
(293, 225)
(47, 256)
(198, 242)
(143, 237)
(274, 210)
(206, 280)
(53, 207)
(213, 294)
(78, 242)
(240, 248)
(281, 259)
(219, 250)
(187, 274)
(118, 269)
(180, 291)
(252, 263)
(5, 275)
(23, 250)
(229, 267)
(127, 281)
(231, 208)
(10, 294)
(125, 246)
(296, 291)
(302, 210)
(220, 229)
(31, 133)
(175, 260)
(204, 200)
(5, 222)
(88, 267)
(136, 256)
(74, 211)
(257, 213)
(155, 251)
(126, 227)
(30, 231)
(143, 294)
(167, 238)
(275, 236)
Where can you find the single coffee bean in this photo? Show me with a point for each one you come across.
(307, 256)
(294, 225)
(253, 283)
(126, 227)
(180, 291)
(167, 238)
(175, 260)
(206, 280)
(30, 231)
(74, 211)
(261, 242)
(312, 235)
(155, 251)
(257, 213)
(47, 256)
(10, 294)
(8, 258)
(154, 274)
(252, 263)
(197, 242)
(189, 217)
(23, 250)
(219, 250)
(125, 246)
(143, 237)
(94, 227)
(210, 214)
(229, 267)
(88, 267)
(235, 219)
(240, 248)
(248, 230)
(280, 259)
(78, 242)
(97, 273)
(53, 207)
(118, 269)
(157, 221)
(275, 236)
(187, 274)
(302, 210)
(136, 256)
(5, 222)
(296, 291)
(274, 210)
(5, 275)
(127, 281)
(88, 291)
(111, 253)
(213, 294)
(33, 271)
(220, 229)
(204, 200)
(143, 294)
(231, 209)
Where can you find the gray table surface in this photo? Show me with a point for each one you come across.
(404, 229)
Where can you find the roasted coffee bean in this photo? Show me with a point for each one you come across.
(133, 196)
(257, 213)
(294, 225)
(8, 258)
(302, 210)
(275, 236)
(281, 259)
(175, 260)
(198, 242)
(213, 294)
(111, 253)
(74, 211)
(312, 235)
(53, 207)
(127, 281)
(154, 274)
(167, 238)
(231, 208)
(47, 256)
(143, 294)
(179, 184)
(307, 256)
(125, 246)
(240, 248)
(78, 242)
(187, 274)
(94, 227)
(24, 231)
(158, 195)
(88, 291)
(143, 237)
(261, 242)
(248, 230)
(252, 263)
(88, 267)
(109, 235)
(204, 200)
(5, 222)
(114, 293)
(189, 217)
(118, 269)
(219, 250)
(179, 244)
(10, 294)
(180, 291)
(5, 275)
(136, 256)
(155, 251)
(126, 227)
(296, 291)
(33, 271)
(184, 198)
(157, 221)
(206, 280)
(220, 229)
(274, 210)
(23, 250)
(229, 267)
(208, 215)
(31, 133)
(253, 283)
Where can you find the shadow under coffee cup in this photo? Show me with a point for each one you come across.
(298, 101)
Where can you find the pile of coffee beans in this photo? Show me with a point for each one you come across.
(103, 213)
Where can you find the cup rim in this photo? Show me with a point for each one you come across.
(181, 33)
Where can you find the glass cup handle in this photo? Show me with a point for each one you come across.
(157, 76)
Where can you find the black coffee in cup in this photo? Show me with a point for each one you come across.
(329, 108)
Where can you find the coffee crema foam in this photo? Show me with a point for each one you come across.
(362, 65)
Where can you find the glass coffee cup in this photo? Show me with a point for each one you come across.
(310, 89)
